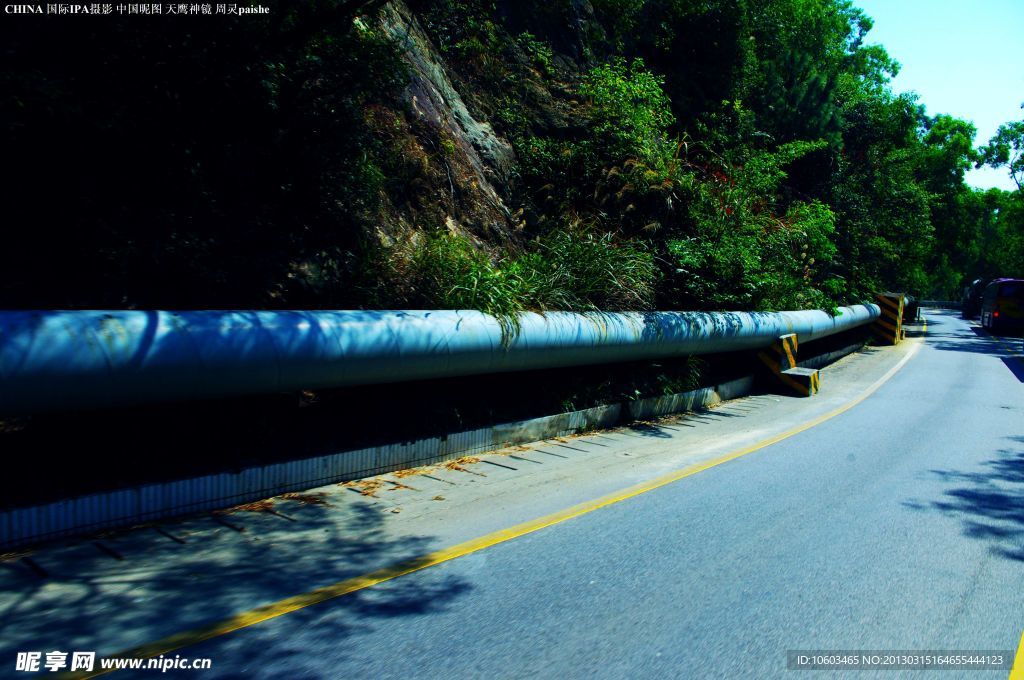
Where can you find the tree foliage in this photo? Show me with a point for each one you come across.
(189, 163)
(1007, 148)
(668, 153)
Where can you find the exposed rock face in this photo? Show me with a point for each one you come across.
(566, 25)
(477, 163)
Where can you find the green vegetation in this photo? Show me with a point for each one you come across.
(540, 53)
(562, 270)
(218, 163)
(1007, 148)
(630, 114)
(668, 154)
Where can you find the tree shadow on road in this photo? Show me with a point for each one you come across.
(991, 503)
(961, 337)
(152, 582)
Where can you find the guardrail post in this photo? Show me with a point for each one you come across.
(780, 358)
(889, 327)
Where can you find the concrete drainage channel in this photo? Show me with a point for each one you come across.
(151, 502)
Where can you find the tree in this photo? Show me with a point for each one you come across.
(884, 228)
(1006, 148)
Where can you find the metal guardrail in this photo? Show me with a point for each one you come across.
(103, 358)
(51, 360)
(942, 304)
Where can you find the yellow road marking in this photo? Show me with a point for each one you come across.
(1005, 345)
(341, 588)
(1017, 672)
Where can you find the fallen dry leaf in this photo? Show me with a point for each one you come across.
(259, 506)
(305, 498)
(366, 487)
(458, 463)
(411, 471)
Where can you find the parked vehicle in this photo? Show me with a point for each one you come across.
(1002, 305)
(972, 298)
(911, 309)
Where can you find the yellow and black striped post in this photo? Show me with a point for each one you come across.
(780, 359)
(889, 327)
(781, 356)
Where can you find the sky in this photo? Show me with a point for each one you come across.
(964, 58)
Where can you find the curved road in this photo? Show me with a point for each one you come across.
(897, 525)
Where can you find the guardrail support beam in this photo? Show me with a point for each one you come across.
(888, 328)
(780, 358)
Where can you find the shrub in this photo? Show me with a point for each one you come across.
(451, 273)
(540, 53)
(764, 263)
(581, 270)
(630, 113)
(568, 270)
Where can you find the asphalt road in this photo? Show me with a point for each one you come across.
(897, 525)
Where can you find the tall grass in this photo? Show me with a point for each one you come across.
(588, 271)
(451, 273)
(567, 270)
